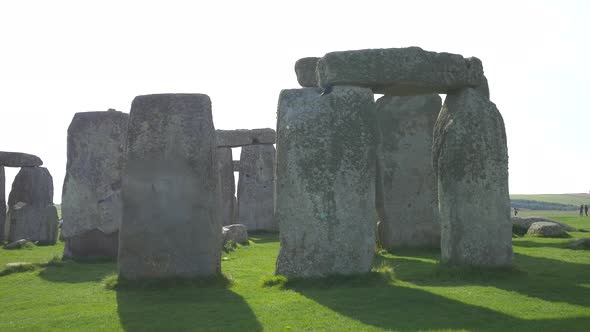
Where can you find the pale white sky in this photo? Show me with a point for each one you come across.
(62, 57)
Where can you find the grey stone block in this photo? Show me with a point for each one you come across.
(325, 190)
(400, 71)
(33, 223)
(19, 159)
(2, 203)
(91, 196)
(171, 221)
(33, 186)
(256, 188)
(243, 137)
(470, 158)
(93, 243)
(406, 186)
(306, 73)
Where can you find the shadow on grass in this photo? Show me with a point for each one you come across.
(535, 244)
(543, 278)
(184, 309)
(76, 272)
(263, 237)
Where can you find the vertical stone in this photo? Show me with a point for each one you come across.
(227, 185)
(171, 224)
(470, 158)
(91, 197)
(256, 188)
(2, 203)
(325, 190)
(31, 214)
(406, 185)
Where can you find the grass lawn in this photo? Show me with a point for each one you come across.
(549, 290)
(573, 199)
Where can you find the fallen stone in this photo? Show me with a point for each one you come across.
(580, 244)
(19, 159)
(400, 71)
(16, 244)
(91, 197)
(470, 158)
(325, 190)
(18, 264)
(2, 203)
(93, 243)
(305, 71)
(523, 223)
(256, 188)
(546, 229)
(406, 186)
(227, 185)
(171, 221)
(243, 137)
(237, 233)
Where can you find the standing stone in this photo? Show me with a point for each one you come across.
(400, 71)
(470, 158)
(91, 197)
(406, 186)
(256, 188)
(325, 190)
(227, 184)
(31, 213)
(305, 71)
(2, 203)
(171, 222)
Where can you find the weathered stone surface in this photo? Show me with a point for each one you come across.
(227, 184)
(325, 190)
(93, 243)
(91, 196)
(2, 203)
(243, 137)
(236, 164)
(523, 223)
(237, 233)
(399, 71)
(546, 229)
(470, 159)
(406, 186)
(19, 159)
(256, 188)
(305, 71)
(33, 223)
(32, 185)
(31, 213)
(16, 244)
(171, 221)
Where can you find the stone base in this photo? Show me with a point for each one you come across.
(93, 243)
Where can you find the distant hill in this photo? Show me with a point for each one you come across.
(568, 199)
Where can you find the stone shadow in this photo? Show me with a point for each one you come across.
(184, 309)
(75, 272)
(535, 244)
(542, 278)
(410, 309)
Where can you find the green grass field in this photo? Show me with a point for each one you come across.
(549, 290)
(573, 199)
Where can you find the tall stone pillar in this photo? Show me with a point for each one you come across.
(406, 186)
(325, 202)
(2, 203)
(470, 158)
(227, 185)
(31, 213)
(256, 188)
(91, 197)
(171, 224)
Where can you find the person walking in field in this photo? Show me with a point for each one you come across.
(586, 209)
(515, 211)
(581, 210)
